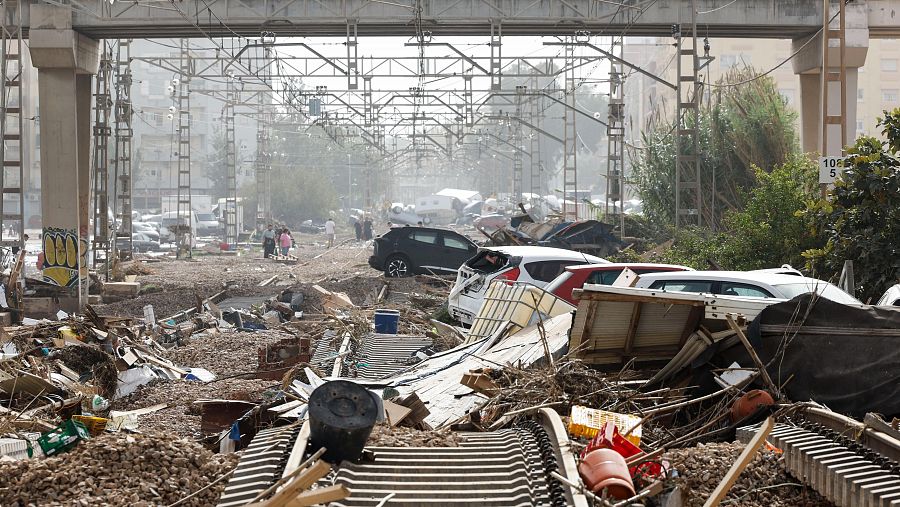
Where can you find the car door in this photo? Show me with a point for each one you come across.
(456, 251)
(425, 250)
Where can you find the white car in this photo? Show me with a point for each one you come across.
(758, 284)
(147, 229)
(891, 297)
(536, 265)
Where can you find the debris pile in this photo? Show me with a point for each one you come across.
(764, 483)
(118, 469)
(633, 397)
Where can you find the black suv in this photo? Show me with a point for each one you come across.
(404, 251)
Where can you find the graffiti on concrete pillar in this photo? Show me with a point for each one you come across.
(61, 256)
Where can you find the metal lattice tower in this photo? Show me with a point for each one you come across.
(570, 147)
(183, 134)
(12, 176)
(688, 185)
(615, 136)
(122, 155)
(517, 140)
(832, 74)
(263, 176)
(230, 212)
(535, 119)
(103, 243)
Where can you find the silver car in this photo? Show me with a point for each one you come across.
(759, 284)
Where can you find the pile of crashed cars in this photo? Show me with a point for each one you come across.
(573, 381)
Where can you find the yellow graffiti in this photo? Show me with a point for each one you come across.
(62, 257)
(49, 251)
(71, 252)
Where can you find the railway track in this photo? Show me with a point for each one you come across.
(849, 463)
(505, 468)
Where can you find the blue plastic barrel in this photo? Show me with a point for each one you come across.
(386, 321)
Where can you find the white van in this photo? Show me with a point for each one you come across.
(169, 219)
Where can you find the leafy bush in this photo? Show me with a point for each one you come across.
(769, 231)
(861, 219)
(742, 128)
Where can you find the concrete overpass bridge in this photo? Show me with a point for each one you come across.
(226, 18)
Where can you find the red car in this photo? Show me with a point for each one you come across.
(574, 277)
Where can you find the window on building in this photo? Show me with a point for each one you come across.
(889, 96)
(860, 127)
(727, 61)
(889, 65)
(788, 94)
(860, 95)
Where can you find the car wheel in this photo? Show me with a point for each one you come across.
(397, 266)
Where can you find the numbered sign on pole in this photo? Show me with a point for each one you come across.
(829, 169)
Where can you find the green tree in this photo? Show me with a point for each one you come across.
(860, 219)
(309, 175)
(742, 127)
(769, 231)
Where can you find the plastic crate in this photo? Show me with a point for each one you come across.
(14, 448)
(94, 425)
(64, 437)
(586, 422)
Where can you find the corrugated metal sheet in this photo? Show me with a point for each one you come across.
(382, 355)
(516, 303)
(436, 379)
(261, 465)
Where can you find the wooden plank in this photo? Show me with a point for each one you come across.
(303, 481)
(395, 412)
(693, 321)
(586, 324)
(738, 466)
(632, 327)
(320, 496)
(638, 298)
(756, 360)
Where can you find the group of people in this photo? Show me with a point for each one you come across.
(363, 229)
(280, 239)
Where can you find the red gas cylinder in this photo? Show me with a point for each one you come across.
(749, 403)
(605, 468)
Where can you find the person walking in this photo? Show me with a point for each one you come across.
(367, 229)
(329, 232)
(268, 242)
(358, 228)
(286, 241)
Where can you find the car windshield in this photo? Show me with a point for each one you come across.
(825, 289)
(206, 217)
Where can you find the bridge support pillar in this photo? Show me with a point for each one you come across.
(808, 64)
(65, 61)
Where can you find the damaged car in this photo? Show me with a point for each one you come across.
(574, 277)
(754, 284)
(406, 251)
(535, 265)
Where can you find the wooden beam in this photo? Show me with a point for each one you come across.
(634, 298)
(293, 488)
(738, 466)
(588, 323)
(756, 360)
(320, 496)
(633, 326)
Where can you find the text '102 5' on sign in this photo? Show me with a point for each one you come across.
(829, 169)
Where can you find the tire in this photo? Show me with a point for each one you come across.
(397, 266)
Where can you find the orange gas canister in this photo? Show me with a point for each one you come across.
(605, 468)
(749, 403)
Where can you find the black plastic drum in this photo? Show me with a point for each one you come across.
(341, 417)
